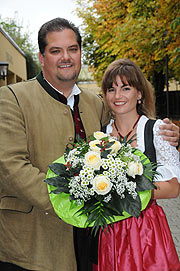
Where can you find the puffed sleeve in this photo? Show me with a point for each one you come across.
(167, 156)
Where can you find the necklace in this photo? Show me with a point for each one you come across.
(119, 134)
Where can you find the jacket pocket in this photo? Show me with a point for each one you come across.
(14, 204)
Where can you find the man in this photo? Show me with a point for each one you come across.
(38, 118)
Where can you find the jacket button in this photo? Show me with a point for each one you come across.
(71, 138)
(65, 111)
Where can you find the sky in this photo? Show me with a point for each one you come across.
(32, 14)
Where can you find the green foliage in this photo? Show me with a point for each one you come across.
(175, 25)
(23, 39)
(142, 30)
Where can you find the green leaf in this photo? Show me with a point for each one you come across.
(175, 23)
(100, 222)
(89, 208)
(132, 206)
(57, 168)
(110, 218)
(74, 171)
(71, 198)
(95, 230)
(92, 216)
(57, 181)
(73, 204)
(91, 138)
(125, 141)
(60, 190)
(143, 183)
(100, 146)
(116, 202)
(105, 153)
(111, 210)
(68, 149)
(110, 144)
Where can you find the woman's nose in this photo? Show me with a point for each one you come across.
(118, 93)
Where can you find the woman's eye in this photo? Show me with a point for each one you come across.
(126, 88)
(110, 90)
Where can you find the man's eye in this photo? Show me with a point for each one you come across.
(55, 52)
(73, 49)
(110, 90)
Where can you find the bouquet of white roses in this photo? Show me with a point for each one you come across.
(103, 180)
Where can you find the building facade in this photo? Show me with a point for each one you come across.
(11, 54)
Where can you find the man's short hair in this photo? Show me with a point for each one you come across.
(55, 25)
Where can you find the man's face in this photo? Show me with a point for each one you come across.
(61, 61)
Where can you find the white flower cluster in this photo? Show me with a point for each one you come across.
(102, 175)
(81, 192)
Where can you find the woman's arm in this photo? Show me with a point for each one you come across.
(166, 189)
(167, 157)
(170, 132)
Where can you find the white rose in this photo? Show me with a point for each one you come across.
(93, 159)
(93, 145)
(102, 185)
(99, 135)
(116, 146)
(134, 168)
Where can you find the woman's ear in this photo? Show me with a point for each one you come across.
(139, 96)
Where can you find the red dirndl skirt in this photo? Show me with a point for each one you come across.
(143, 244)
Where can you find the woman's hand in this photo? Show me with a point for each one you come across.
(170, 132)
(166, 189)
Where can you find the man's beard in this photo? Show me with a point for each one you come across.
(71, 77)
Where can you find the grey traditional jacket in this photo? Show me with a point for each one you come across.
(34, 131)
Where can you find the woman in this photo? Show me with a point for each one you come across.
(143, 244)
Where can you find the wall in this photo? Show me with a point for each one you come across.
(11, 53)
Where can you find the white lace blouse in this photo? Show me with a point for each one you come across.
(167, 156)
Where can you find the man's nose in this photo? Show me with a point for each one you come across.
(65, 54)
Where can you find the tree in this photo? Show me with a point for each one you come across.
(143, 30)
(23, 40)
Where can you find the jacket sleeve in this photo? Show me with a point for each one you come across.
(105, 117)
(19, 179)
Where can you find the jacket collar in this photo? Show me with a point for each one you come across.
(50, 90)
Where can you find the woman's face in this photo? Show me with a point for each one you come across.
(122, 98)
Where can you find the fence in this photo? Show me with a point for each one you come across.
(174, 105)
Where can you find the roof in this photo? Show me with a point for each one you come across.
(11, 40)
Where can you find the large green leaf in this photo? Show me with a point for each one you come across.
(61, 189)
(143, 183)
(117, 203)
(58, 168)
(57, 181)
(132, 206)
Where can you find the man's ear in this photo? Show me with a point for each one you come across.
(41, 59)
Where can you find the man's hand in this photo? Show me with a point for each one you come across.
(170, 132)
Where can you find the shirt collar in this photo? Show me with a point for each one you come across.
(70, 99)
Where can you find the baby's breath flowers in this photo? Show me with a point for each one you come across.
(103, 176)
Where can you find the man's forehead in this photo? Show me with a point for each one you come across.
(65, 32)
(59, 39)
